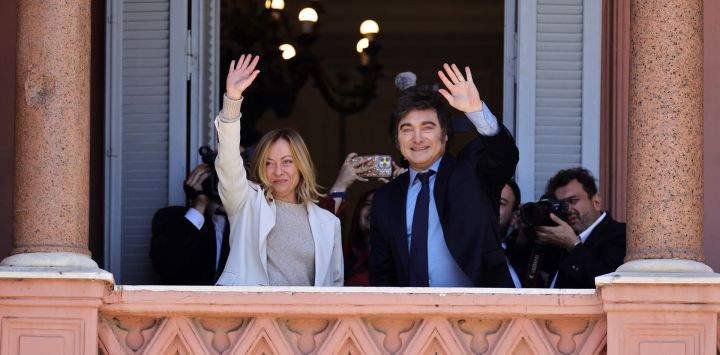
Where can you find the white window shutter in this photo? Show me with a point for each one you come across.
(558, 91)
(145, 128)
(204, 61)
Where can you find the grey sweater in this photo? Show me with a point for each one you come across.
(290, 247)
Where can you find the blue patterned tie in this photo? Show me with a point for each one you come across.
(419, 237)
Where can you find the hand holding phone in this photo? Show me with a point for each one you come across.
(378, 166)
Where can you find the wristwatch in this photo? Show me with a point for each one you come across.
(339, 194)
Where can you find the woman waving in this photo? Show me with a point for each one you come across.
(278, 236)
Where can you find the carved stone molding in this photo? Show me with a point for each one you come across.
(567, 330)
(479, 332)
(435, 336)
(306, 330)
(262, 336)
(349, 336)
(220, 328)
(524, 336)
(135, 330)
(41, 335)
(393, 331)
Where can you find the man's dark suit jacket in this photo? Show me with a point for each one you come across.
(467, 196)
(183, 255)
(601, 253)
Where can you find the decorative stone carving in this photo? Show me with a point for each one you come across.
(220, 327)
(262, 336)
(595, 339)
(392, 329)
(108, 342)
(523, 336)
(479, 330)
(262, 346)
(350, 346)
(62, 336)
(435, 336)
(349, 335)
(306, 329)
(567, 329)
(134, 326)
(176, 335)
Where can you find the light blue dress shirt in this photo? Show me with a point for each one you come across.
(443, 270)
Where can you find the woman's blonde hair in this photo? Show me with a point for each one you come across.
(307, 189)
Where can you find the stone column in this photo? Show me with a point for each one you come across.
(665, 155)
(664, 300)
(52, 118)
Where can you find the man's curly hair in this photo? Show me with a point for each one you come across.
(564, 177)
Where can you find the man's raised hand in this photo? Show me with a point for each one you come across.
(240, 76)
(461, 92)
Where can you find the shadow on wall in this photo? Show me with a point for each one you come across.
(8, 24)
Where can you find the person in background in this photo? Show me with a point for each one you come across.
(591, 241)
(189, 244)
(356, 248)
(509, 206)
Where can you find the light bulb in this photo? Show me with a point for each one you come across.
(369, 27)
(308, 14)
(362, 44)
(288, 51)
(275, 4)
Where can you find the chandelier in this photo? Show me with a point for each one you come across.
(288, 62)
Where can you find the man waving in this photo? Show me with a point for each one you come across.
(437, 224)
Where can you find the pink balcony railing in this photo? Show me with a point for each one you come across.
(242, 320)
(83, 312)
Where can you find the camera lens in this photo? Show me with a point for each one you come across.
(532, 214)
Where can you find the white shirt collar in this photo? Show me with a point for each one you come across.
(586, 233)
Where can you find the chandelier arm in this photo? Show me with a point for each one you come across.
(358, 91)
(364, 94)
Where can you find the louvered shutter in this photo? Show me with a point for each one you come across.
(145, 133)
(558, 93)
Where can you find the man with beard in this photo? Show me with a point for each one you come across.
(593, 243)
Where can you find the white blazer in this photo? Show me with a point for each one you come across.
(252, 217)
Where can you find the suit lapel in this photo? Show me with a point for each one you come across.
(323, 235)
(397, 210)
(599, 230)
(267, 222)
(441, 182)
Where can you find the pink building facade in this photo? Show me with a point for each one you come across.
(660, 81)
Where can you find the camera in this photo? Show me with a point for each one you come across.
(210, 184)
(543, 260)
(538, 213)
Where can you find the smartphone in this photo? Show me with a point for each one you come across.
(381, 165)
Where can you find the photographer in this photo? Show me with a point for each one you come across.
(590, 241)
(190, 244)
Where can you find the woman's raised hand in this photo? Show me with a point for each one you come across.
(240, 76)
